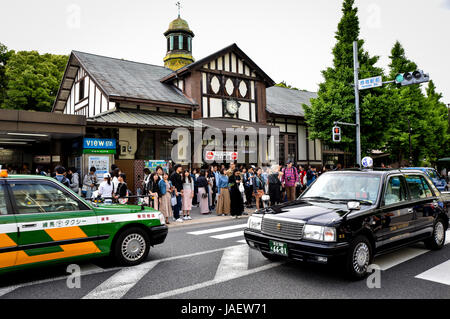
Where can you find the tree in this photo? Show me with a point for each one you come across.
(5, 55)
(420, 131)
(33, 80)
(336, 100)
(286, 86)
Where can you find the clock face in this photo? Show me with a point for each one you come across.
(232, 107)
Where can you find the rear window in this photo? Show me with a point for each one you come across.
(432, 173)
(418, 187)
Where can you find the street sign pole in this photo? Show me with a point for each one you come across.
(356, 86)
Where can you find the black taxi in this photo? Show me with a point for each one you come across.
(351, 216)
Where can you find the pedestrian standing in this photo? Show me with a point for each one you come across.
(165, 187)
(237, 204)
(188, 194)
(89, 183)
(154, 191)
(258, 187)
(202, 186)
(194, 179)
(177, 184)
(74, 180)
(115, 177)
(106, 189)
(275, 185)
(290, 179)
(61, 176)
(248, 186)
(121, 195)
(223, 200)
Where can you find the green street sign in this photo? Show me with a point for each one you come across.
(95, 151)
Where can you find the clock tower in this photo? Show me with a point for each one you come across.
(179, 44)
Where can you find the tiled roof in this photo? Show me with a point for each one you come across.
(282, 101)
(131, 79)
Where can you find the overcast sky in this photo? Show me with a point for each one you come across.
(290, 40)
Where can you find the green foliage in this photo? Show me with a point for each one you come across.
(5, 54)
(426, 116)
(33, 80)
(286, 86)
(336, 99)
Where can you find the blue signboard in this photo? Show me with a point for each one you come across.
(99, 144)
(370, 83)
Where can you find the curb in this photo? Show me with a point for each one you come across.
(206, 220)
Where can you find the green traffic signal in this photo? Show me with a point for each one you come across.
(399, 78)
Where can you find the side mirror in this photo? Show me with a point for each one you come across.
(354, 205)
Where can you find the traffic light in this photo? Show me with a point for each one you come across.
(409, 78)
(336, 134)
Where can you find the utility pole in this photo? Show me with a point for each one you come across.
(356, 86)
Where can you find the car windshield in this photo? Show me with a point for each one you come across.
(345, 187)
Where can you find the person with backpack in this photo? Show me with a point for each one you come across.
(89, 183)
(61, 176)
(290, 179)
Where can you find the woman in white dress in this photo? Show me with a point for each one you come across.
(106, 189)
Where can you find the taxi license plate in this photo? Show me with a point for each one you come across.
(278, 248)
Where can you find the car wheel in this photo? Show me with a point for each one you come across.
(437, 239)
(271, 257)
(132, 247)
(359, 258)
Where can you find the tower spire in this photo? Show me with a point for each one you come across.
(178, 4)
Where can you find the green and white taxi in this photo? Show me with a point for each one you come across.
(43, 222)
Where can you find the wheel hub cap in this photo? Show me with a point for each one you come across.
(361, 258)
(439, 233)
(133, 247)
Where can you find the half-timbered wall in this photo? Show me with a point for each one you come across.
(228, 77)
(86, 98)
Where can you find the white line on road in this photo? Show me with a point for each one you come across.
(243, 241)
(229, 235)
(440, 274)
(395, 258)
(212, 282)
(234, 262)
(447, 237)
(121, 282)
(216, 230)
(88, 269)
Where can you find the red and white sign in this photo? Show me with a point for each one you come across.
(220, 156)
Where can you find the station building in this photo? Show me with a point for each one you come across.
(134, 107)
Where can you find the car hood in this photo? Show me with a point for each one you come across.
(322, 213)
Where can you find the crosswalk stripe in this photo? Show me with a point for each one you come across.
(234, 262)
(229, 235)
(243, 241)
(447, 237)
(439, 273)
(396, 258)
(217, 230)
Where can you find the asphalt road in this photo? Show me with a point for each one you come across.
(211, 261)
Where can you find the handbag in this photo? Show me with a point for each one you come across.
(265, 198)
(173, 200)
(241, 188)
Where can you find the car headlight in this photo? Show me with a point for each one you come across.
(320, 233)
(254, 222)
(162, 219)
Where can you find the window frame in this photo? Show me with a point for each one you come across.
(426, 179)
(402, 181)
(9, 208)
(14, 207)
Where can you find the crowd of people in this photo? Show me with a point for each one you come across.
(226, 191)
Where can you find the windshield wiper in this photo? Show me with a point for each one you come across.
(361, 201)
(316, 198)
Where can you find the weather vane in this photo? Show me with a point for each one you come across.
(178, 4)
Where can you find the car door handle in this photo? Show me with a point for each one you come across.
(29, 225)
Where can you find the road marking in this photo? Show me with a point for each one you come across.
(439, 274)
(121, 282)
(233, 265)
(243, 241)
(447, 237)
(88, 269)
(229, 235)
(216, 230)
(234, 262)
(395, 258)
